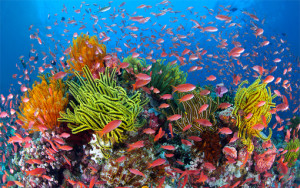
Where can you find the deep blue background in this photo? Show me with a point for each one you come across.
(282, 16)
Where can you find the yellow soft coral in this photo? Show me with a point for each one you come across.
(46, 100)
(246, 101)
(86, 50)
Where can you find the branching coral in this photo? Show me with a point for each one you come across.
(292, 153)
(86, 50)
(101, 101)
(165, 76)
(190, 112)
(246, 101)
(46, 100)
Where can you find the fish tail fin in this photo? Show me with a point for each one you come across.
(174, 89)
(134, 87)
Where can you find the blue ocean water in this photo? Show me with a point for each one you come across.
(279, 19)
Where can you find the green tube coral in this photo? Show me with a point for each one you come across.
(100, 101)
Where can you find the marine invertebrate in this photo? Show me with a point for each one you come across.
(190, 112)
(249, 100)
(117, 173)
(165, 76)
(210, 146)
(101, 101)
(265, 160)
(293, 152)
(86, 51)
(46, 100)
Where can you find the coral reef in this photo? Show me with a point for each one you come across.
(86, 51)
(246, 102)
(45, 100)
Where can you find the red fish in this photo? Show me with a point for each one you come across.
(168, 147)
(59, 75)
(157, 162)
(36, 171)
(184, 88)
(109, 127)
(137, 172)
(204, 122)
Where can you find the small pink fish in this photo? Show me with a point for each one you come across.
(109, 127)
(184, 88)
(168, 147)
(166, 96)
(157, 162)
(59, 75)
(203, 108)
(164, 105)
(120, 159)
(137, 172)
(225, 130)
(204, 92)
(195, 138)
(258, 126)
(186, 98)
(204, 122)
(186, 128)
(174, 117)
(148, 131)
(224, 105)
(261, 103)
(186, 142)
(135, 145)
(142, 76)
(211, 78)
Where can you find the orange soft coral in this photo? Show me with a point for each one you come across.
(46, 100)
(86, 50)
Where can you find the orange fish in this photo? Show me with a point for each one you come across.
(157, 162)
(59, 75)
(225, 130)
(202, 178)
(137, 172)
(203, 108)
(109, 127)
(186, 98)
(186, 128)
(120, 159)
(211, 78)
(184, 88)
(168, 147)
(204, 122)
(164, 105)
(36, 171)
(136, 145)
(258, 126)
(174, 117)
(140, 83)
(224, 105)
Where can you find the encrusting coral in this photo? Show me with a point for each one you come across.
(248, 100)
(100, 101)
(86, 51)
(45, 100)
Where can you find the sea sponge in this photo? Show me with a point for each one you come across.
(100, 101)
(46, 100)
(86, 51)
(246, 101)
